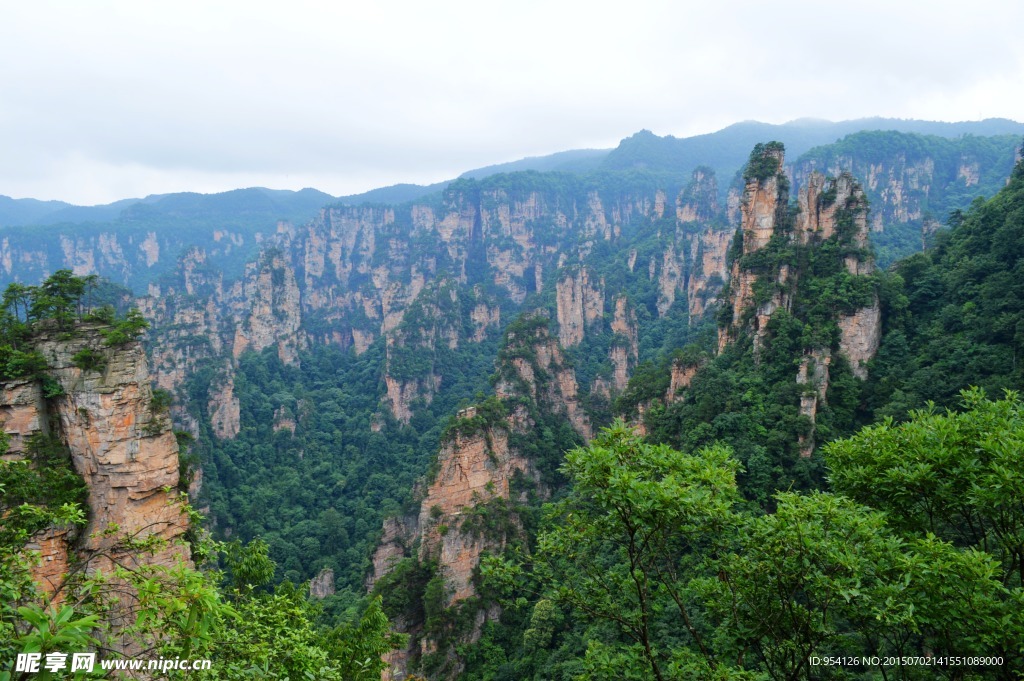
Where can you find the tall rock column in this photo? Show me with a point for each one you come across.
(122, 445)
(782, 253)
(763, 214)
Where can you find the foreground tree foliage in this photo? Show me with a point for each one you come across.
(639, 518)
(248, 631)
(654, 568)
(958, 476)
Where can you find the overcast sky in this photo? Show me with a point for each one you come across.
(108, 100)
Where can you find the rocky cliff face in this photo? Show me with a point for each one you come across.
(911, 181)
(121, 446)
(579, 305)
(681, 377)
(625, 349)
(763, 214)
(476, 469)
(223, 407)
(469, 506)
(762, 281)
(127, 253)
(429, 276)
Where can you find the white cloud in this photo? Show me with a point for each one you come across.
(106, 100)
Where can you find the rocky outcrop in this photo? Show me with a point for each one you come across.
(836, 208)
(322, 585)
(23, 414)
(915, 179)
(274, 311)
(709, 254)
(124, 450)
(121, 445)
(671, 278)
(698, 201)
(396, 543)
(402, 395)
(359, 275)
(475, 467)
(625, 350)
(284, 419)
(763, 212)
(764, 202)
(828, 210)
(475, 474)
(485, 319)
(469, 506)
(579, 305)
(431, 322)
(682, 374)
(535, 368)
(813, 375)
(223, 407)
(860, 334)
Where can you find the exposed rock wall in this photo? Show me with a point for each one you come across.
(907, 184)
(477, 465)
(709, 253)
(224, 408)
(23, 413)
(579, 305)
(322, 585)
(625, 349)
(813, 375)
(123, 449)
(860, 334)
(681, 377)
(763, 210)
(833, 210)
(475, 468)
(356, 276)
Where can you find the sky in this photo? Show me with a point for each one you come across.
(101, 101)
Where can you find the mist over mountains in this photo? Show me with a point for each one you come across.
(725, 151)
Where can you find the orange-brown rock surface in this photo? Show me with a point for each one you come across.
(625, 348)
(681, 377)
(860, 334)
(123, 449)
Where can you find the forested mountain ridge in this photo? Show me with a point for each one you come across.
(420, 293)
(130, 242)
(912, 181)
(798, 333)
(135, 241)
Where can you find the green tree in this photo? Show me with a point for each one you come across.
(824, 576)
(59, 298)
(640, 520)
(957, 475)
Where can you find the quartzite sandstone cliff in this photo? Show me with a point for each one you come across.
(122, 446)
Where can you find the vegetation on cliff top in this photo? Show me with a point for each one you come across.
(61, 304)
